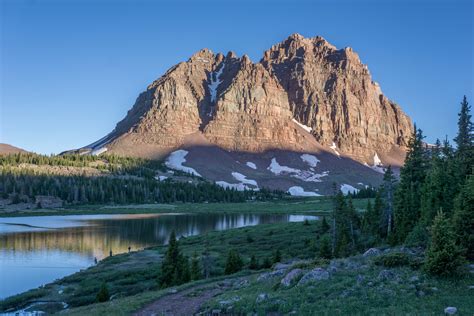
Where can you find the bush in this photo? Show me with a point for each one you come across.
(418, 237)
(396, 259)
(103, 295)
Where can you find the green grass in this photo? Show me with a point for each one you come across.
(319, 205)
(343, 295)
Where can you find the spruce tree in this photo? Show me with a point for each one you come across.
(463, 218)
(175, 266)
(103, 294)
(444, 257)
(464, 141)
(196, 272)
(407, 195)
(253, 264)
(233, 263)
(325, 247)
(388, 190)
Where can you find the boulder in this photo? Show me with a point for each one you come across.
(372, 252)
(261, 297)
(291, 277)
(314, 275)
(450, 310)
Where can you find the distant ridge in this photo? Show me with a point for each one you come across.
(6, 149)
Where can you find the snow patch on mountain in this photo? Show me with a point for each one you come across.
(305, 127)
(251, 165)
(334, 147)
(176, 159)
(243, 179)
(299, 191)
(347, 188)
(278, 169)
(311, 160)
(98, 151)
(215, 82)
(378, 165)
(304, 175)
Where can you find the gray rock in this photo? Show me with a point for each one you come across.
(216, 312)
(414, 279)
(316, 274)
(360, 278)
(290, 278)
(450, 310)
(281, 266)
(387, 275)
(242, 283)
(261, 297)
(229, 301)
(471, 287)
(372, 252)
(269, 275)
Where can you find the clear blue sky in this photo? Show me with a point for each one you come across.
(71, 69)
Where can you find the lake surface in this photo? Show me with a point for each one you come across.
(40, 249)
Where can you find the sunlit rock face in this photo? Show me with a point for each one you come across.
(304, 90)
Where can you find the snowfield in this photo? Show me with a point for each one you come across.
(176, 159)
(311, 160)
(334, 147)
(161, 178)
(251, 165)
(347, 188)
(305, 127)
(97, 152)
(378, 165)
(278, 169)
(304, 175)
(242, 178)
(299, 191)
(215, 82)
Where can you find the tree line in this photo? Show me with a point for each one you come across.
(431, 205)
(131, 180)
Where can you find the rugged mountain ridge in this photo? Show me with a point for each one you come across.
(304, 96)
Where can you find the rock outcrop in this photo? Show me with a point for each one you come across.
(331, 91)
(303, 92)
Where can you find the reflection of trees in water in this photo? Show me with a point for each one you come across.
(119, 234)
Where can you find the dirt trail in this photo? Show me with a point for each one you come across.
(186, 302)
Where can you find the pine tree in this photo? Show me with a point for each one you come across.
(196, 272)
(440, 186)
(388, 189)
(233, 263)
(464, 141)
(443, 257)
(407, 195)
(324, 226)
(277, 256)
(325, 247)
(175, 267)
(253, 264)
(463, 218)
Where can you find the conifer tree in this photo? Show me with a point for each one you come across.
(443, 257)
(465, 142)
(463, 218)
(253, 264)
(407, 195)
(233, 263)
(196, 272)
(388, 190)
(175, 267)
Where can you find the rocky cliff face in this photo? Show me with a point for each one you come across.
(302, 88)
(332, 92)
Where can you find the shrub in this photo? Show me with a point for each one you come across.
(103, 294)
(396, 259)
